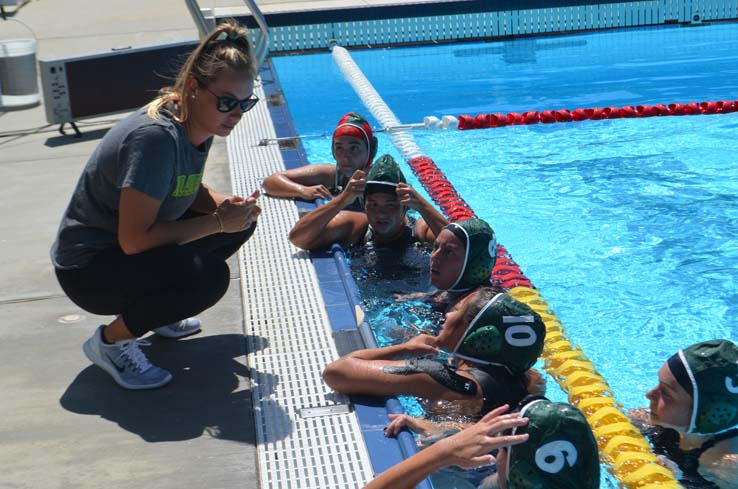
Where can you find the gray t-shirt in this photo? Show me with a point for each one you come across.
(152, 156)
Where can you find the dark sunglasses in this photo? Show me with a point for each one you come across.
(226, 104)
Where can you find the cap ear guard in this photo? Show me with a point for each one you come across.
(483, 342)
(523, 475)
(462, 236)
(373, 149)
(715, 415)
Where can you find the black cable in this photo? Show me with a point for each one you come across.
(24, 132)
(40, 129)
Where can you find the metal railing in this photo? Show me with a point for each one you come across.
(409, 22)
(205, 20)
(261, 47)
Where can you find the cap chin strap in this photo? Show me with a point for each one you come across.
(480, 361)
(466, 257)
(695, 396)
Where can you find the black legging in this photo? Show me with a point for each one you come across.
(157, 287)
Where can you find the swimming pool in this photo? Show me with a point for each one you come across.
(628, 227)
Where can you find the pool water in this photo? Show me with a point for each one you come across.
(628, 227)
(394, 287)
(392, 283)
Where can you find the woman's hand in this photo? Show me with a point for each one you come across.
(421, 345)
(237, 199)
(665, 461)
(470, 448)
(237, 213)
(312, 192)
(403, 297)
(641, 418)
(400, 421)
(354, 187)
(408, 196)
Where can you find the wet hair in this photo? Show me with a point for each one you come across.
(225, 50)
(480, 297)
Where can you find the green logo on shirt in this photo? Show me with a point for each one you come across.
(187, 185)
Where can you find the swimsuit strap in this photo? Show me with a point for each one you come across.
(696, 481)
(369, 235)
(666, 442)
(726, 435)
(407, 238)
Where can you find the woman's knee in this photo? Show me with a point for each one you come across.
(210, 273)
(247, 233)
(235, 241)
(220, 279)
(100, 297)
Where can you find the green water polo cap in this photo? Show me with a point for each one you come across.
(505, 332)
(481, 253)
(712, 367)
(561, 451)
(355, 125)
(384, 176)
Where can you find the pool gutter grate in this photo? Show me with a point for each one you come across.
(289, 338)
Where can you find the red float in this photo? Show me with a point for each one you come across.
(481, 121)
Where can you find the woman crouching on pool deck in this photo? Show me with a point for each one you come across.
(142, 237)
(694, 413)
(354, 147)
(492, 339)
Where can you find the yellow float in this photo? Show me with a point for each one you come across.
(622, 447)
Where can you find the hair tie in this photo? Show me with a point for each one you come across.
(228, 36)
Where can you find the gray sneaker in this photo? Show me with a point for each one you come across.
(125, 362)
(180, 329)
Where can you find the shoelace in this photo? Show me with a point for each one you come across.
(131, 354)
(178, 326)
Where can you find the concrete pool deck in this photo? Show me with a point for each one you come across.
(64, 422)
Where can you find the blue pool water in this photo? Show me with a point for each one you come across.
(628, 227)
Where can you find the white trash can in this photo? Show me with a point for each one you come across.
(18, 83)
